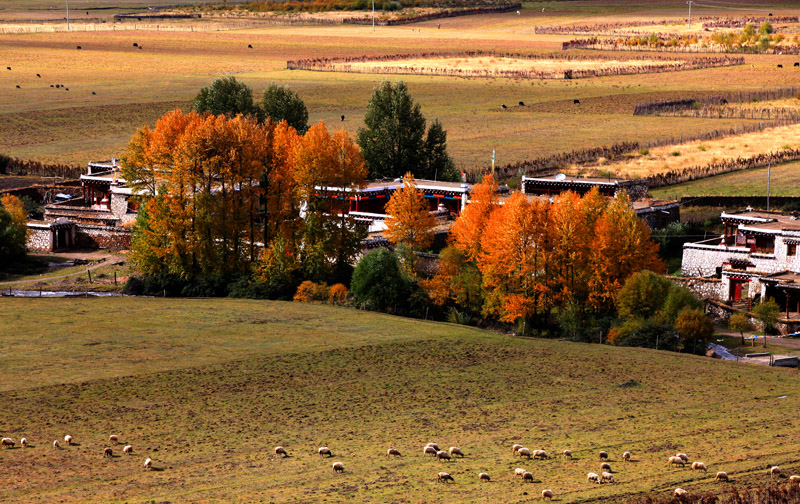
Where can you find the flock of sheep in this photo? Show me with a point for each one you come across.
(605, 476)
(108, 452)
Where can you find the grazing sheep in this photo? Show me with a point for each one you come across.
(592, 477)
(7, 442)
(774, 472)
(516, 448)
(392, 451)
(443, 455)
(540, 454)
(519, 472)
(547, 494)
(429, 449)
(721, 476)
(699, 466)
(680, 492)
(435, 446)
(603, 455)
(605, 466)
(280, 450)
(444, 477)
(338, 467)
(56, 445)
(676, 461)
(68, 439)
(24, 442)
(607, 476)
(108, 452)
(127, 449)
(484, 477)
(626, 457)
(324, 450)
(148, 463)
(524, 452)
(113, 438)
(794, 478)
(567, 454)
(455, 450)
(683, 456)
(527, 477)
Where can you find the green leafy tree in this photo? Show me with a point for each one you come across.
(693, 325)
(225, 96)
(282, 104)
(765, 28)
(677, 300)
(393, 140)
(740, 323)
(439, 164)
(12, 236)
(642, 295)
(767, 313)
(379, 281)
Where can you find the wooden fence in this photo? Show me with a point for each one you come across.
(14, 166)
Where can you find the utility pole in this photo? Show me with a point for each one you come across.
(373, 16)
(67, 15)
(689, 3)
(769, 166)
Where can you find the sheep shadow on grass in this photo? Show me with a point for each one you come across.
(157, 469)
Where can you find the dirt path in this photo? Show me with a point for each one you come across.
(102, 258)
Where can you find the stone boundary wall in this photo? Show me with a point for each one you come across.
(39, 238)
(105, 237)
(704, 288)
(703, 261)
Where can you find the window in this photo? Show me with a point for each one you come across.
(791, 249)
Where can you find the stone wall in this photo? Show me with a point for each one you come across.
(119, 207)
(704, 288)
(636, 190)
(703, 260)
(40, 237)
(106, 237)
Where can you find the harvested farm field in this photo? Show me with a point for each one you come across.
(208, 388)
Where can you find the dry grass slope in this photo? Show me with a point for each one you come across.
(208, 387)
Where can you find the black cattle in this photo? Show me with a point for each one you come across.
(576, 102)
(79, 47)
(135, 44)
(9, 68)
(249, 46)
(780, 66)
(797, 63)
(724, 101)
(342, 118)
(18, 87)
(94, 93)
(522, 104)
(52, 85)
(66, 89)
(37, 75)
(504, 106)
(140, 47)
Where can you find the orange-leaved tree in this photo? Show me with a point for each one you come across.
(468, 229)
(409, 220)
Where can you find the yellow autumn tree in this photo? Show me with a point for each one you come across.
(409, 220)
(13, 227)
(468, 229)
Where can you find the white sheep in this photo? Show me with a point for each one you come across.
(527, 477)
(280, 450)
(674, 460)
(56, 445)
(540, 454)
(794, 478)
(683, 456)
(483, 477)
(603, 455)
(774, 472)
(148, 463)
(113, 438)
(443, 455)
(680, 492)
(7, 442)
(516, 447)
(547, 494)
(324, 450)
(127, 449)
(592, 477)
(393, 451)
(519, 472)
(567, 454)
(430, 450)
(24, 442)
(626, 456)
(108, 452)
(68, 439)
(435, 446)
(455, 450)
(444, 477)
(722, 476)
(338, 467)
(607, 476)
(524, 452)
(699, 466)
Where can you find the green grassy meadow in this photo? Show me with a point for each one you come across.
(135, 87)
(783, 182)
(207, 388)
